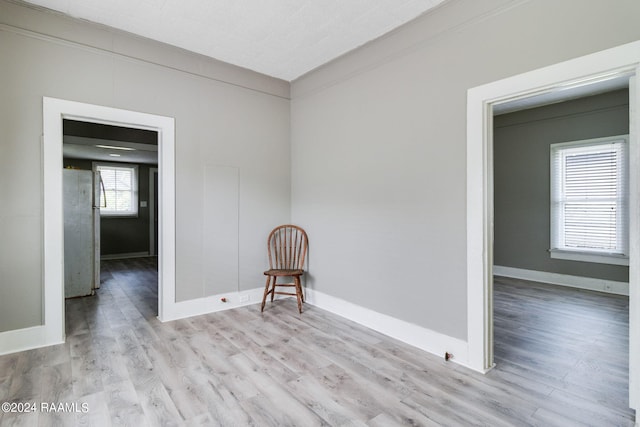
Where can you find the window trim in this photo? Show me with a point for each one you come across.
(589, 255)
(133, 213)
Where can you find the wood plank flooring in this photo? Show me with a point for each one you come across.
(574, 341)
(561, 354)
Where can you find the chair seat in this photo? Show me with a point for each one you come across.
(281, 272)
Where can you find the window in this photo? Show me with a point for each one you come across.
(119, 189)
(589, 207)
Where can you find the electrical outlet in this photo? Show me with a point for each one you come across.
(244, 298)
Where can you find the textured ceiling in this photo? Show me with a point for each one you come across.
(280, 38)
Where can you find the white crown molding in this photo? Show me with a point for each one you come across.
(205, 67)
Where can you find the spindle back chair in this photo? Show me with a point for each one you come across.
(287, 247)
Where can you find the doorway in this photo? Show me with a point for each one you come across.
(599, 66)
(545, 326)
(54, 112)
(119, 160)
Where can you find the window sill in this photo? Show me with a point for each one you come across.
(599, 258)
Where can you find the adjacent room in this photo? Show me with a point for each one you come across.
(556, 291)
(413, 141)
(110, 203)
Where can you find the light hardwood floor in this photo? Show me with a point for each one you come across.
(561, 353)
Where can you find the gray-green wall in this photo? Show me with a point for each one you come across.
(522, 171)
(225, 117)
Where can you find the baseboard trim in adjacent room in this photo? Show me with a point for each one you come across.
(409, 333)
(125, 256)
(588, 283)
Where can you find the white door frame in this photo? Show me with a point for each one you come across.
(152, 206)
(480, 100)
(54, 111)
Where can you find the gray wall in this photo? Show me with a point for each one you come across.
(522, 171)
(123, 235)
(224, 115)
(379, 146)
(376, 169)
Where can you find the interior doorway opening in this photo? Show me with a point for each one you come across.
(573, 90)
(481, 100)
(111, 217)
(546, 316)
(55, 111)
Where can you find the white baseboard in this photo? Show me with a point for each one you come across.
(417, 336)
(125, 256)
(39, 336)
(601, 285)
(26, 339)
(213, 303)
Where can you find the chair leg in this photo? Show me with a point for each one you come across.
(273, 288)
(266, 292)
(298, 293)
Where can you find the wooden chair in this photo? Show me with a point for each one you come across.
(287, 248)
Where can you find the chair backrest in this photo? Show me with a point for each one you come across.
(287, 247)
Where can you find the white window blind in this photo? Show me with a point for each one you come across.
(589, 208)
(120, 189)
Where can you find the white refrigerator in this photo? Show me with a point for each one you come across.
(81, 192)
